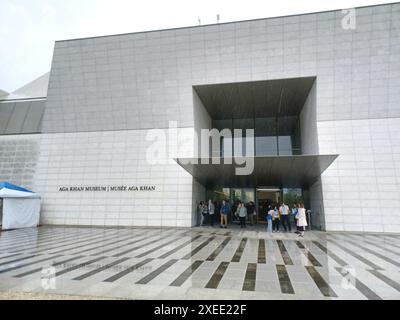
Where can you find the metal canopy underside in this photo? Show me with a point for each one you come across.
(284, 171)
(267, 98)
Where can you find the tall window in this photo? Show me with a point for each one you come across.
(241, 143)
(289, 142)
(266, 137)
(272, 136)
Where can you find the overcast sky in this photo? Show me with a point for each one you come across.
(28, 28)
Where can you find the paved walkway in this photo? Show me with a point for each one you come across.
(199, 263)
(46, 296)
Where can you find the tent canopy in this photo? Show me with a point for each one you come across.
(21, 207)
(8, 190)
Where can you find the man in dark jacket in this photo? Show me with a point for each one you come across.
(251, 211)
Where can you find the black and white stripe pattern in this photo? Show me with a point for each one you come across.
(155, 262)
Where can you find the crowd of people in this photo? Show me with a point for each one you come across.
(276, 215)
(280, 215)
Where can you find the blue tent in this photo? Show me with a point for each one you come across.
(20, 207)
(8, 190)
(12, 187)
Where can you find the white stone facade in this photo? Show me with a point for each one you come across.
(361, 189)
(105, 92)
(108, 158)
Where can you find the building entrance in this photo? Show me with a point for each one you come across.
(262, 197)
(245, 195)
(265, 198)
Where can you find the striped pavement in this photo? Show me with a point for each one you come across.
(200, 263)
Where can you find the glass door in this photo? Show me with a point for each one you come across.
(265, 198)
(217, 195)
(244, 195)
(292, 196)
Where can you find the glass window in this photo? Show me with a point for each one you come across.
(244, 195)
(266, 146)
(285, 145)
(289, 135)
(272, 136)
(218, 194)
(239, 146)
(296, 138)
(226, 147)
(241, 143)
(222, 124)
(266, 141)
(226, 144)
(292, 196)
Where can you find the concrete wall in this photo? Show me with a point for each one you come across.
(199, 194)
(18, 159)
(102, 159)
(308, 123)
(142, 80)
(202, 120)
(309, 145)
(317, 206)
(361, 188)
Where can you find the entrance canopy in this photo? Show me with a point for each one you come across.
(255, 99)
(286, 171)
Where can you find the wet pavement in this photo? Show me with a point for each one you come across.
(199, 263)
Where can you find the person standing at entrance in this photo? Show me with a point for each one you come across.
(301, 219)
(270, 214)
(275, 220)
(201, 213)
(211, 211)
(284, 212)
(224, 214)
(204, 212)
(294, 214)
(251, 210)
(241, 212)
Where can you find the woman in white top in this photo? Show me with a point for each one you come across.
(301, 219)
(275, 220)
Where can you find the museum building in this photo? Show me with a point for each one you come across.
(319, 92)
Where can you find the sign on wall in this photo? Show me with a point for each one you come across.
(106, 188)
